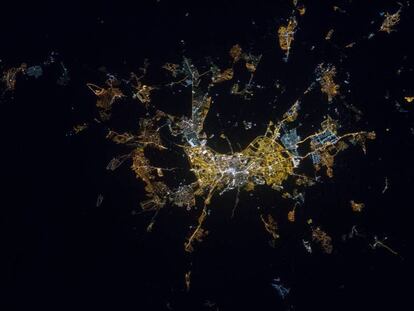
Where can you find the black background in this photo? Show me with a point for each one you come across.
(64, 253)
